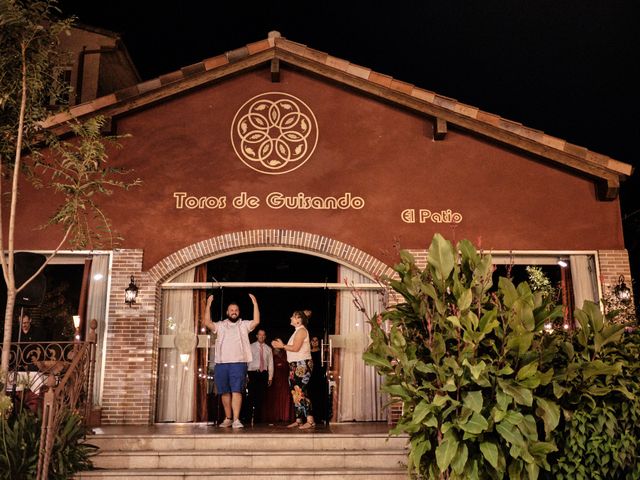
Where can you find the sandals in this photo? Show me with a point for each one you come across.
(306, 426)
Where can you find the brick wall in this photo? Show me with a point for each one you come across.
(614, 263)
(129, 382)
(132, 333)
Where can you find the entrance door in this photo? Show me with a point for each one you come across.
(282, 282)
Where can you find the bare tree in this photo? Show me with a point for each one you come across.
(76, 170)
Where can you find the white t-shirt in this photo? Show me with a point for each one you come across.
(232, 341)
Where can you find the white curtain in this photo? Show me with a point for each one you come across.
(97, 309)
(359, 388)
(176, 380)
(583, 277)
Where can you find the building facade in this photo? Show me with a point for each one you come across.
(278, 147)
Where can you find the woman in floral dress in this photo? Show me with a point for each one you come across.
(300, 367)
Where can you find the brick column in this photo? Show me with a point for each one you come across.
(129, 383)
(614, 263)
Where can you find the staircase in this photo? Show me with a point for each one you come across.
(192, 452)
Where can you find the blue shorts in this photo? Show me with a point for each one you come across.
(230, 377)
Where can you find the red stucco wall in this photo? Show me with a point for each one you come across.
(376, 151)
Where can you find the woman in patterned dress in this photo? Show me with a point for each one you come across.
(300, 367)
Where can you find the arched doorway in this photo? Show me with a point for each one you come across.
(283, 280)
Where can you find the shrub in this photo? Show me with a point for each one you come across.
(471, 367)
(20, 443)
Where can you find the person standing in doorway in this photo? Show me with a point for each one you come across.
(233, 352)
(260, 376)
(27, 332)
(278, 401)
(300, 367)
(27, 335)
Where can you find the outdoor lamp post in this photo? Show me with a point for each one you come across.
(622, 291)
(131, 292)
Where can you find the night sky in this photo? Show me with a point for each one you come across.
(569, 68)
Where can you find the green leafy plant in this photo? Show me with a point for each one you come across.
(599, 393)
(20, 443)
(470, 366)
(71, 453)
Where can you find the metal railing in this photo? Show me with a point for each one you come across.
(61, 373)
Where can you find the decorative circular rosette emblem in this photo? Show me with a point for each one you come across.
(274, 133)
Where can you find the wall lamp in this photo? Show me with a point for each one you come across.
(76, 325)
(131, 292)
(622, 291)
(562, 262)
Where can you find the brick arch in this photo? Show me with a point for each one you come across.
(248, 240)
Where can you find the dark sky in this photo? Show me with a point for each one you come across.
(567, 67)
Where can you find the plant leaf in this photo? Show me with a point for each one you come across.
(446, 451)
(473, 400)
(490, 452)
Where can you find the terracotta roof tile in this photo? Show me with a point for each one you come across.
(488, 118)
(83, 109)
(213, 62)
(467, 110)
(380, 79)
(337, 63)
(575, 150)
(292, 47)
(316, 55)
(260, 46)
(619, 166)
(193, 69)
(532, 134)
(105, 101)
(554, 142)
(149, 85)
(127, 92)
(358, 71)
(596, 158)
(510, 125)
(237, 54)
(56, 119)
(171, 77)
(423, 94)
(402, 87)
(446, 102)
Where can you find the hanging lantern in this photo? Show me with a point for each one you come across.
(131, 292)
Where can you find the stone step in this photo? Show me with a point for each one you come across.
(242, 460)
(343, 451)
(245, 441)
(252, 474)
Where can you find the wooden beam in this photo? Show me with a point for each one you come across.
(275, 70)
(609, 189)
(439, 129)
(108, 127)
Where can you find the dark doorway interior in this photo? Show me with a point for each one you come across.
(52, 318)
(276, 304)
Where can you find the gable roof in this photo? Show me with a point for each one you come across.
(606, 170)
